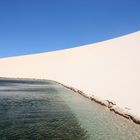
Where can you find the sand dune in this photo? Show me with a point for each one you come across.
(109, 69)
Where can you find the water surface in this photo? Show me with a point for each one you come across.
(44, 110)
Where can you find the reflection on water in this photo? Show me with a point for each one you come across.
(44, 110)
(31, 111)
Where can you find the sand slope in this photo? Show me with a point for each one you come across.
(109, 69)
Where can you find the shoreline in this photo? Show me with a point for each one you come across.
(124, 112)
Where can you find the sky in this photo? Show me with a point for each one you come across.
(36, 26)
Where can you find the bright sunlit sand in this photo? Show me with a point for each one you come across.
(109, 70)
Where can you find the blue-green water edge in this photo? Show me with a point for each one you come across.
(44, 110)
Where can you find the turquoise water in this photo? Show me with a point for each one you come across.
(44, 110)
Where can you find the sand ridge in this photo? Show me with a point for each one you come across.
(109, 70)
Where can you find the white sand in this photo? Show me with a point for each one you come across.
(109, 69)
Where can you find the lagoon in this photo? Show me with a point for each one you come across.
(45, 110)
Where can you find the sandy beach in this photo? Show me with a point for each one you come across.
(108, 70)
